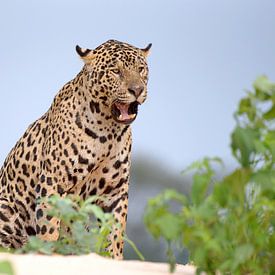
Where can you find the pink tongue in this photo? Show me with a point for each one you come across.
(123, 108)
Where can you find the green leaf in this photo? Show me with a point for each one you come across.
(203, 165)
(170, 194)
(265, 179)
(169, 226)
(246, 107)
(263, 88)
(96, 210)
(242, 254)
(243, 144)
(6, 268)
(270, 142)
(260, 147)
(270, 114)
(199, 188)
(237, 182)
(220, 194)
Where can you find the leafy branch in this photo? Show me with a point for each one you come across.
(228, 225)
(85, 228)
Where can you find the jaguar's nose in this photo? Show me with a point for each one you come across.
(136, 90)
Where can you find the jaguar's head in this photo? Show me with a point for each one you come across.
(118, 75)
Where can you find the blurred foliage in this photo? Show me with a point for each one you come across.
(85, 228)
(6, 268)
(228, 225)
(149, 177)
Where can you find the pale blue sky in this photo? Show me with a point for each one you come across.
(205, 53)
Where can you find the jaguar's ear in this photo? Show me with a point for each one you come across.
(85, 54)
(146, 50)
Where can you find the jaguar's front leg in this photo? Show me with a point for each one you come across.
(47, 227)
(118, 206)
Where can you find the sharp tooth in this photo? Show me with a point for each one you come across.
(132, 115)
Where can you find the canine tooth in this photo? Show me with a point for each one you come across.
(132, 115)
(120, 117)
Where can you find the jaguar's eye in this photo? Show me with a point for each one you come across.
(116, 71)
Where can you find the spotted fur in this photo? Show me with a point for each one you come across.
(77, 147)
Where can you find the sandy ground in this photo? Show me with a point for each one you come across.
(89, 264)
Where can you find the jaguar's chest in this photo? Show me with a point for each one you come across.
(94, 164)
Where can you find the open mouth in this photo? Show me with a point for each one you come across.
(124, 112)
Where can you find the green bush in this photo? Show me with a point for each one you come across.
(6, 268)
(228, 225)
(84, 229)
